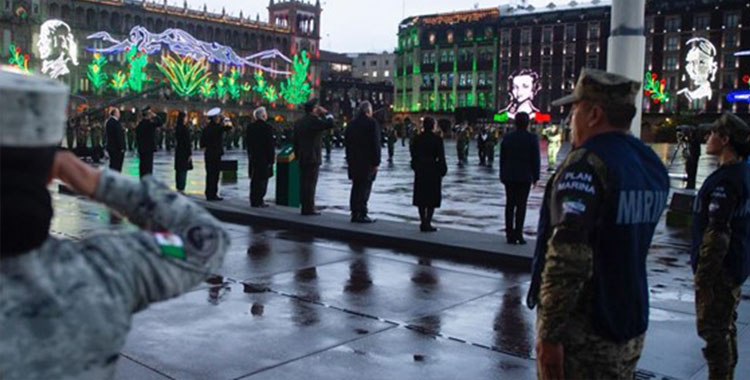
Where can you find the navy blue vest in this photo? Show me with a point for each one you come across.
(737, 261)
(637, 188)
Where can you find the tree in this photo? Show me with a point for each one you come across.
(96, 74)
(296, 90)
(185, 75)
(138, 62)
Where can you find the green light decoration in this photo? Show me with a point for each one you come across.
(271, 94)
(185, 75)
(469, 100)
(655, 88)
(453, 102)
(119, 82)
(96, 74)
(233, 84)
(501, 118)
(207, 89)
(296, 90)
(221, 87)
(19, 60)
(482, 100)
(137, 62)
(260, 83)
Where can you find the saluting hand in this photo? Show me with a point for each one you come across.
(76, 174)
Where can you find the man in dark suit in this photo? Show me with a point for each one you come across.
(308, 145)
(213, 142)
(519, 168)
(145, 135)
(261, 154)
(115, 140)
(362, 140)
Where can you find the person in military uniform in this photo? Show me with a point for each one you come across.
(82, 136)
(391, 139)
(67, 305)
(97, 130)
(212, 140)
(328, 143)
(482, 138)
(553, 135)
(196, 136)
(721, 243)
(145, 133)
(308, 141)
(70, 134)
(489, 146)
(598, 217)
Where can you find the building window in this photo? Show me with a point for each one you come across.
(7, 5)
(673, 43)
(672, 24)
(649, 24)
(732, 20)
(592, 61)
(364, 63)
(451, 79)
(701, 21)
(387, 73)
(526, 35)
(570, 32)
(594, 31)
(730, 39)
(462, 79)
(432, 38)
(469, 35)
(387, 62)
(374, 74)
(729, 61)
(670, 63)
(728, 81)
(450, 37)
(482, 79)
(505, 38)
(547, 35)
(488, 33)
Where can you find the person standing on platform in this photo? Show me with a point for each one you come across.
(598, 218)
(392, 138)
(721, 243)
(261, 153)
(428, 164)
(70, 134)
(362, 141)
(212, 141)
(145, 134)
(519, 169)
(482, 137)
(115, 140)
(130, 134)
(553, 135)
(308, 146)
(183, 152)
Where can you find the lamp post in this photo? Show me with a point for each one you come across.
(626, 48)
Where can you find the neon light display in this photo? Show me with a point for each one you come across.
(233, 84)
(185, 75)
(654, 88)
(538, 117)
(183, 44)
(96, 74)
(18, 60)
(138, 62)
(296, 89)
(57, 47)
(701, 66)
(207, 89)
(119, 82)
(525, 86)
(221, 87)
(741, 95)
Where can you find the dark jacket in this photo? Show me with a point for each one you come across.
(213, 142)
(428, 163)
(145, 135)
(519, 157)
(115, 136)
(362, 140)
(308, 138)
(260, 145)
(183, 148)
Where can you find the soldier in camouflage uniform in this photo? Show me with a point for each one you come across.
(598, 217)
(721, 245)
(66, 306)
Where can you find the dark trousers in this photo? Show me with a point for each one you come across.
(115, 160)
(180, 179)
(212, 179)
(258, 186)
(691, 169)
(359, 196)
(308, 183)
(146, 164)
(516, 196)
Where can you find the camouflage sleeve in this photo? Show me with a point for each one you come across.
(575, 201)
(715, 244)
(179, 246)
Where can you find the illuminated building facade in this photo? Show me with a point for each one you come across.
(471, 58)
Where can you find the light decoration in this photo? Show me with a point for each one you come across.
(701, 66)
(57, 47)
(96, 74)
(654, 88)
(207, 89)
(137, 62)
(19, 60)
(505, 116)
(740, 95)
(221, 87)
(119, 82)
(233, 84)
(296, 90)
(184, 44)
(266, 90)
(185, 74)
(524, 87)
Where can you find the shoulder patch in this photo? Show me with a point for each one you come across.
(170, 245)
(575, 156)
(202, 241)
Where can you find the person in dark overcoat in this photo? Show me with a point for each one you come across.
(115, 140)
(428, 163)
(145, 134)
(362, 141)
(308, 146)
(183, 152)
(261, 154)
(212, 141)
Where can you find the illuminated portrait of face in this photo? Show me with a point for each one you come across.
(57, 46)
(524, 86)
(700, 66)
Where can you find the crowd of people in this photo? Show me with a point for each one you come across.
(588, 276)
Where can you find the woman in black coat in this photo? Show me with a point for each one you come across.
(428, 163)
(183, 152)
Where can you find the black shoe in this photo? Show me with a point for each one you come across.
(363, 219)
(215, 198)
(427, 228)
(310, 213)
(511, 241)
(521, 241)
(264, 205)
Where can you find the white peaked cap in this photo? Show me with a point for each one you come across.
(213, 112)
(32, 110)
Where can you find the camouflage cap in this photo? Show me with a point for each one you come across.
(602, 87)
(730, 125)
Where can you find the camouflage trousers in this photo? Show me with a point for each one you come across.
(716, 311)
(587, 355)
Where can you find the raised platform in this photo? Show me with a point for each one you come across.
(461, 245)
